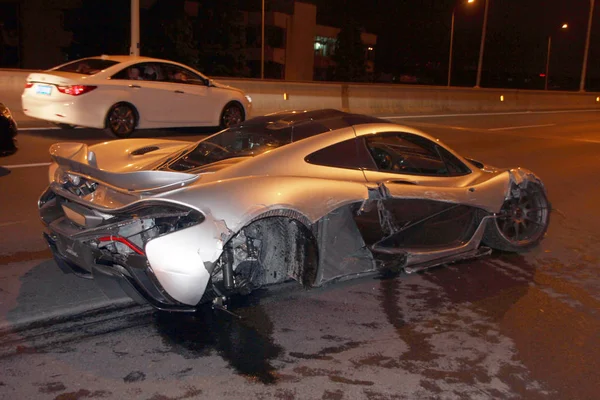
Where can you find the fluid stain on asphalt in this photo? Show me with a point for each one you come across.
(419, 348)
(245, 343)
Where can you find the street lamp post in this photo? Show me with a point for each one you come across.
(262, 43)
(587, 48)
(134, 49)
(482, 45)
(564, 26)
(452, 43)
(548, 62)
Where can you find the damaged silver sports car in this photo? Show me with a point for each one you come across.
(310, 196)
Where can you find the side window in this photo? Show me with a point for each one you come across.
(454, 165)
(133, 73)
(177, 74)
(344, 154)
(405, 153)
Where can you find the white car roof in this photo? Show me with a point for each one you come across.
(130, 58)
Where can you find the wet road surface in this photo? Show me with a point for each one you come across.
(506, 326)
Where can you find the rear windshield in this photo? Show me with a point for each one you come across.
(232, 143)
(89, 66)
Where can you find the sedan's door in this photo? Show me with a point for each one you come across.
(418, 202)
(144, 86)
(193, 102)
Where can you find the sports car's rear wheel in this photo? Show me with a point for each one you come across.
(269, 251)
(232, 114)
(121, 120)
(522, 221)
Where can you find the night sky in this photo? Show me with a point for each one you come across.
(418, 31)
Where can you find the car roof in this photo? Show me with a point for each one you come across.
(301, 124)
(125, 58)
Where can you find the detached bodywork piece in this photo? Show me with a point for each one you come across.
(8, 132)
(313, 196)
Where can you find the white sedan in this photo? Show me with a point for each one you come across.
(122, 93)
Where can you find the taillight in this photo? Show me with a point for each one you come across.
(75, 90)
(28, 85)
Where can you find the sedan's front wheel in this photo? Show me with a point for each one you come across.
(121, 120)
(232, 114)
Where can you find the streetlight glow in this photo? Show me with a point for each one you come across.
(482, 45)
(547, 74)
(452, 42)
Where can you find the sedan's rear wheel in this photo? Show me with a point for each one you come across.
(522, 221)
(121, 120)
(232, 114)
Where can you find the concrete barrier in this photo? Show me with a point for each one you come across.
(378, 99)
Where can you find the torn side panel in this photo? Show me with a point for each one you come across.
(342, 249)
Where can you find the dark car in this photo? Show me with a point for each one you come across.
(8, 132)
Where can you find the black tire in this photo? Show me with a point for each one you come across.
(64, 126)
(521, 223)
(232, 114)
(121, 120)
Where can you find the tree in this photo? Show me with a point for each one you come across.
(212, 41)
(98, 27)
(168, 32)
(222, 37)
(349, 54)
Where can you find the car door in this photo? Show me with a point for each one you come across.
(192, 103)
(144, 86)
(418, 203)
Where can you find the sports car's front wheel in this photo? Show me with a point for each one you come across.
(522, 221)
(121, 120)
(232, 114)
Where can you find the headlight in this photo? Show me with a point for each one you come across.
(248, 98)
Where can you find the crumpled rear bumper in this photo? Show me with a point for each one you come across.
(134, 278)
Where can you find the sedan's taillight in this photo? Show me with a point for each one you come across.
(75, 90)
(28, 85)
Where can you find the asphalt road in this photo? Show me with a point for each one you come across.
(501, 327)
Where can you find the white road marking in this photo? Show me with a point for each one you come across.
(484, 114)
(41, 128)
(25, 165)
(11, 223)
(508, 128)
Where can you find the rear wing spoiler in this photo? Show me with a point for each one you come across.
(78, 159)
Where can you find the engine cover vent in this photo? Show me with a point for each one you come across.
(143, 150)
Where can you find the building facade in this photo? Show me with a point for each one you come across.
(296, 47)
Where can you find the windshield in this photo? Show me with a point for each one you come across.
(88, 66)
(234, 142)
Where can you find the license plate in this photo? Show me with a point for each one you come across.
(43, 89)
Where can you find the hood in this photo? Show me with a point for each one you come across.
(125, 165)
(224, 86)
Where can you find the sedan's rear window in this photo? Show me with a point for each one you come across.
(88, 66)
